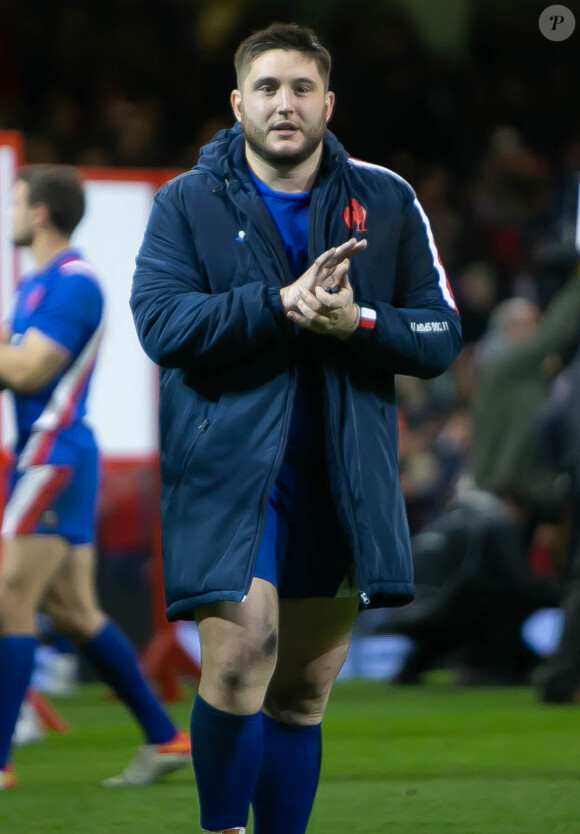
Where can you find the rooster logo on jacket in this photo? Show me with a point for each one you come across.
(355, 215)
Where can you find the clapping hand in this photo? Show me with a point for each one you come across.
(307, 302)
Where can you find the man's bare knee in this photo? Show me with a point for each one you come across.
(303, 703)
(236, 674)
(299, 692)
(238, 665)
(17, 608)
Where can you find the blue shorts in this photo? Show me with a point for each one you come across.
(304, 551)
(57, 497)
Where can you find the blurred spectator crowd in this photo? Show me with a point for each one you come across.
(491, 143)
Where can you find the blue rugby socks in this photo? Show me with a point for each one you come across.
(226, 753)
(238, 758)
(16, 664)
(113, 657)
(288, 778)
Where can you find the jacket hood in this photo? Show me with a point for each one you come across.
(227, 146)
(213, 156)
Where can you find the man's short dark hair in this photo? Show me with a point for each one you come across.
(288, 36)
(60, 189)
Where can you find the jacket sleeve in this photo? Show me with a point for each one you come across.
(420, 333)
(179, 322)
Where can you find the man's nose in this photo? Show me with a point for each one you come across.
(285, 100)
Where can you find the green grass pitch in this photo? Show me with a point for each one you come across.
(429, 760)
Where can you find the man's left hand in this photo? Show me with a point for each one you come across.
(334, 314)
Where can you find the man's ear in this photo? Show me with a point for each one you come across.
(40, 215)
(328, 104)
(236, 102)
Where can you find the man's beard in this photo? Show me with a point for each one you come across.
(257, 139)
(22, 239)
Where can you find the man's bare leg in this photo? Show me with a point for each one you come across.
(239, 648)
(27, 565)
(314, 636)
(73, 606)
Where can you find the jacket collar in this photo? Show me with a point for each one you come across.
(224, 157)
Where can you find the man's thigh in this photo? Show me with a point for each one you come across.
(314, 635)
(27, 566)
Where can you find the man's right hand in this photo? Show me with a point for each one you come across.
(329, 269)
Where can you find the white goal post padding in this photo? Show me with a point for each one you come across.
(123, 398)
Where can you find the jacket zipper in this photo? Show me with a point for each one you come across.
(348, 502)
(270, 481)
(272, 236)
(274, 244)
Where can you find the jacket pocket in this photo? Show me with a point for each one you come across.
(201, 430)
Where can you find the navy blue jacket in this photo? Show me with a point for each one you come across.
(207, 308)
